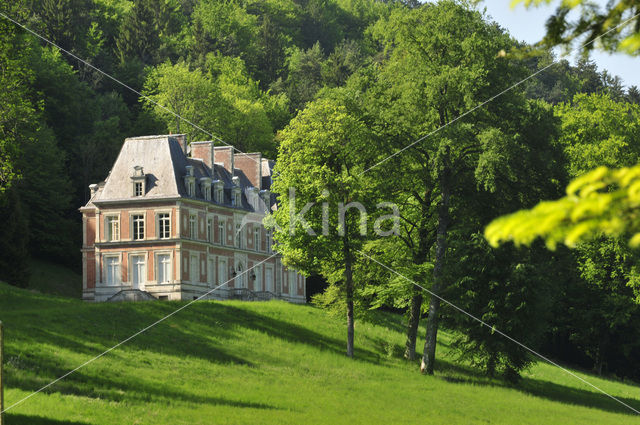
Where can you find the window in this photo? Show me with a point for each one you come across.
(190, 181)
(211, 270)
(222, 271)
(268, 279)
(256, 239)
(112, 228)
(210, 230)
(112, 270)
(292, 282)
(194, 269)
(268, 241)
(221, 235)
(192, 227)
(138, 271)
(236, 201)
(207, 192)
(164, 268)
(138, 227)
(137, 189)
(239, 238)
(219, 195)
(257, 283)
(138, 179)
(164, 225)
(190, 184)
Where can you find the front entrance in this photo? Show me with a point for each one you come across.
(138, 272)
(239, 281)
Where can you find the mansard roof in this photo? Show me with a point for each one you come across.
(164, 164)
(162, 161)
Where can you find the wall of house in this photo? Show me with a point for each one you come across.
(181, 246)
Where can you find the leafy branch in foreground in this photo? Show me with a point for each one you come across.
(593, 23)
(601, 202)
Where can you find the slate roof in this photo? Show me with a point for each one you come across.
(165, 165)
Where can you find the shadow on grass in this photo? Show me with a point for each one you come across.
(201, 332)
(123, 388)
(293, 333)
(456, 373)
(15, 419)
(196, 332)
(569, 395)
(391, 321)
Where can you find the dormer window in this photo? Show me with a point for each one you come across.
(190, 182)
(205, 184)
(253, 197)
(265, 195)
(218, 191)
(236, 200)
(138, 179)
(236, 192)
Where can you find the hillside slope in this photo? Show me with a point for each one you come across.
(269, 363)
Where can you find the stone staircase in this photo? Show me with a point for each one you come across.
(132, 295)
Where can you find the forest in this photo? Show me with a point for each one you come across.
(329, 88)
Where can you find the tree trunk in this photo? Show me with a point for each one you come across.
(414, 321)
(348, 275)
(491, 366)
(429, 353)
(415, 308)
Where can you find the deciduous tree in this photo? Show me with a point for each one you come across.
(322, 152)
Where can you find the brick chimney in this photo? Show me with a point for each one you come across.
(224, 155)
(182, 140)
(251, 165)
(203, 151)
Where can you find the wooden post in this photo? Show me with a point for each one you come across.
(1, 374)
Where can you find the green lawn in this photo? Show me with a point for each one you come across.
(266, 363)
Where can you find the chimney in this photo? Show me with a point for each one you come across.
(203, 151)
(251, 166)
(223, 155)
(182, 140)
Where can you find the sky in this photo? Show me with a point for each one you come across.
(528, 25)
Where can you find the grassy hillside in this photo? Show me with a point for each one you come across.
(52, 278)
(268, 363)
